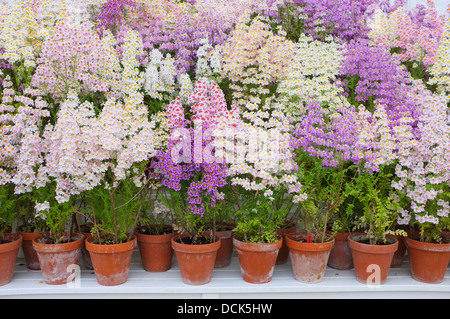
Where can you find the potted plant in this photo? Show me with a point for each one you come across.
(193, 203)
(324, 191)
(341, 227)
(192, 177)
(154, 236)
(225, 222)
(421, 181)
(31, 227)
(99, 147)
(60, 246)
(373, 194)
(255, 237)
(323, 145)
(10, 242)
(195, 249)
(113, 212)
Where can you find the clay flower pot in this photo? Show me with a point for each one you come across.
(54, 259)
(111, 262)
(399, 255)
(31, 257)
(283, 253)
(156, 251)
(85, 230)
(341, 255)
(196, 262)
(372, 262)
(309, 260)
(225, 251)
(257, 260)
(428, 261)
(9, 249)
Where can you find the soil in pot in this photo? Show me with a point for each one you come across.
(195, 260)
(9, 248)
(283, 253)
(309, 260)
(54, 259)
(428, 261)
(372, 262)
(257, 260)
(31, 257)
(111, 262)
(155, 249)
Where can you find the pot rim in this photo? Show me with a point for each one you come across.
(188, 248)
(292, 243)
(432, 247)
(146, 238)
(109, 248)
(257, 247)
(375, 249)
(15, 244)
(62, 247)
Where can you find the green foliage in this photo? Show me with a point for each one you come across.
(326, 191)
(289, 21)
(57, 217)
(250, 229)
(259, 217)
(428, 231)
(114, 209)
(8, 207)
(156, 217)
(195, 225)
(372, 193)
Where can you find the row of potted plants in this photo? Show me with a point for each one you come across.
(157, 243)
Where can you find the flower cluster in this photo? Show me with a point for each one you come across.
(422, 172)
(20, 121)
(415, 36)
(313, 74)
(374, 76)
(267, 105)
(75, 58)
(191, 152)
(85, 146)
(253, 59)
(441, 69)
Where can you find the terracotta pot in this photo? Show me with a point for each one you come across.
(8, 256)
(399, 255)
(257, 260)
(31, 257)
(55, 258)
(85, 230)
(196, 262)
(309, 260)
(111, 262)
(156, 251)
(372, 262)
(283, 253)
(341, 255)
(86, 256)
(225, 251)
(428, 261)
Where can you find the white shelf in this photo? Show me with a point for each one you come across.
(226, 283)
